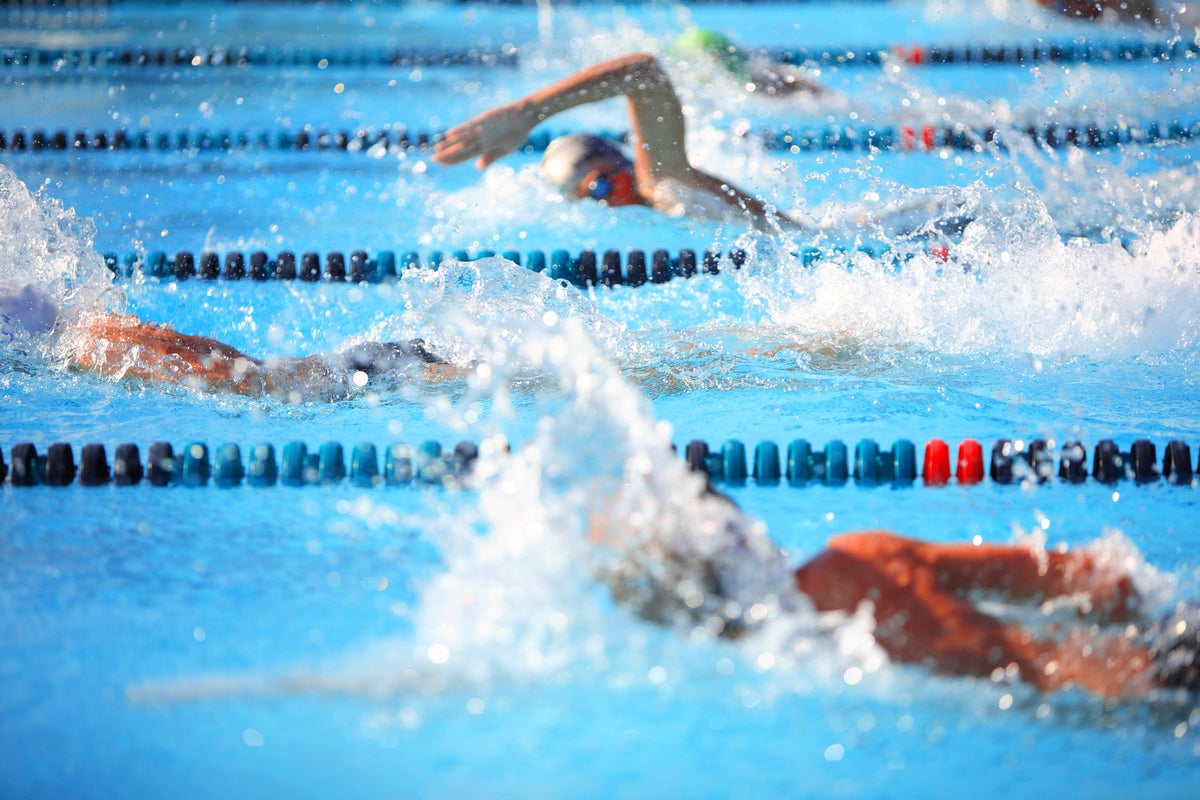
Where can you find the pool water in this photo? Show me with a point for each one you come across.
(414, 641)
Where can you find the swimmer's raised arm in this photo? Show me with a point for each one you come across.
(655, 114)
(656, 120)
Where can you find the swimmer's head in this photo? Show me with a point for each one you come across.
(582, 165)
(33, 310)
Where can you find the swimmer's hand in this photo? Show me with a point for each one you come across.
(487, 137)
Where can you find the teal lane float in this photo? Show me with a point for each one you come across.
(797, 464)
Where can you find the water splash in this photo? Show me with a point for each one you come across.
(571, 536)
(1011, 286)
(467, 309)
(44, 245)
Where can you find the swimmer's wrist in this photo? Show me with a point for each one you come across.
(534, 112)
(537, 111)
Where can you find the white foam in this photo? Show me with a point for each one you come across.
(1012, 286)
(49, 247)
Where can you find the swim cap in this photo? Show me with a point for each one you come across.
(34, 310)
(706, 42)
(570, 158)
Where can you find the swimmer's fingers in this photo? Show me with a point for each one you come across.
(456, 145)
(489, 136)
(487, 158)
(464, 147)
(462, 144)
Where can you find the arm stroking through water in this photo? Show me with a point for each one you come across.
(660, 158)
(123, 346)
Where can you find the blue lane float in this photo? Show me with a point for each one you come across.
(795, 139)
(195, 465)
(301, 140)
(797, 464)
(587, 268)
(1089, 51)
(249, 56)
(936, 138)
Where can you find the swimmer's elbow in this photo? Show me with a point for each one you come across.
(644, 58)
(645, 66)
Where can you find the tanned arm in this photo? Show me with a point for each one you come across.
(655, 114)
(124, 346)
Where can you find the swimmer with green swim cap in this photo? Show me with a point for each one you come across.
(755, 72)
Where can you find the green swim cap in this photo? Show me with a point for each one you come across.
(720, 48)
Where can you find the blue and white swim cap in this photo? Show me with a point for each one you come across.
(568, 159)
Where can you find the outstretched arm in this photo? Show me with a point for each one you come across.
(654, 111)
(655, 115)
(126, 347)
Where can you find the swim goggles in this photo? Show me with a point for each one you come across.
(599, 187)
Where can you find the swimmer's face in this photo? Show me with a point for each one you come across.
(612, 184)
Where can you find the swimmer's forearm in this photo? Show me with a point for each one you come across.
(637, 73)
(656, 117)
(738, 199)
(655, 114)
(498, 131)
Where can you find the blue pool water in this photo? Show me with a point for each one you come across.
(412, 642)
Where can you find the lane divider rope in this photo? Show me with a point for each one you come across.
(795, 139)
(429, 464)
(1012, 461)
(588, 268)
(932, 138)
(250, 55)
(195, 465)
(1089, 51)
(1116, 51)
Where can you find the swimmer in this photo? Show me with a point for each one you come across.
(1159, 13)
(755, 72)
(659, 174)
(719, 572)
(126, 347)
